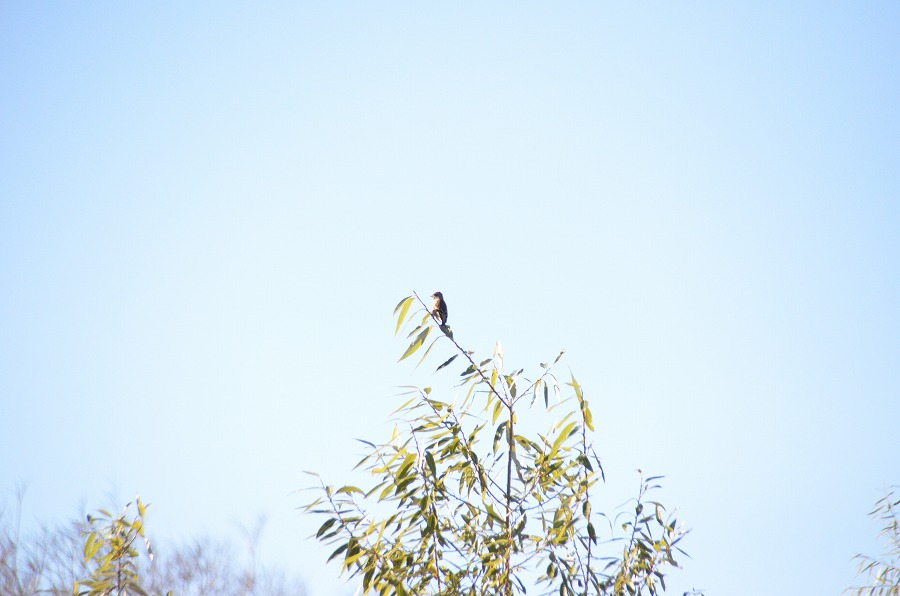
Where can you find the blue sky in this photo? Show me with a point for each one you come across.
(209, 210)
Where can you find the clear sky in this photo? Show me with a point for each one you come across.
(209, 210)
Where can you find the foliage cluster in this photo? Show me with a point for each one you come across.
(883, 573)
(110, 553)
(473, 504)
(52, 560)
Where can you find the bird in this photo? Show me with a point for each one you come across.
(439, 309)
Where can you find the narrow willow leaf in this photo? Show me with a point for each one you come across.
(511, 383)
(416, 344)
(563, 435)
(401, 303)
(324, 527)
(578, 392)
(403, 307)
(535, 387)
(348, 490)
(338, 551)
(405, 466)
(446, 362)
(91, 545)
(398, 410)
(425, 355)
(498, 408)
(588, 417)
(499, 433)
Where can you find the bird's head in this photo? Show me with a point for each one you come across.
(437, 295)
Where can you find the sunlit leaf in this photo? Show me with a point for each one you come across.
(429, 461)
(91, 546)
(499, 433)
(416, 344)
(403, 307)
(498, 409)
(349, 490)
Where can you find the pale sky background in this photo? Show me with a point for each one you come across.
(209, 210)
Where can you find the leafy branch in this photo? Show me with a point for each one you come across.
(462, 503)
(884, 573)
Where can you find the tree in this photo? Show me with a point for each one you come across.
(51, 559)
(884, 573)
(467, 499)
(111, 555)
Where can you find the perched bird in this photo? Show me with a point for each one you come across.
(439, 310)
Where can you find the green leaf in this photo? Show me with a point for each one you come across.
(403, 307)
(91, 546)
(492, 514)
(578, 392)
(429, 461)
(338, 551)
(446, 362)
(588, 417)
(416, 344)
(499, 433)
(348, 490)
(563, 435)
(324, 527)
(498, 408)
(511, 384)
(405, 466)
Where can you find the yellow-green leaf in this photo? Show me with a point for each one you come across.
(91, 546)
(403, 307)
(416, 344)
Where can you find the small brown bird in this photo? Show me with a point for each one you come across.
(439, 309)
